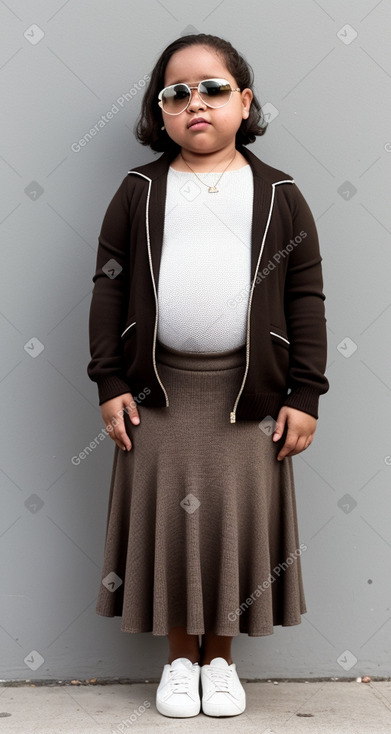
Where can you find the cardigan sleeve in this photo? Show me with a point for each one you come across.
(305, 311)
(109, 298)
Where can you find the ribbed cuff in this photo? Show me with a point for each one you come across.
(304, 398)
(111, 387)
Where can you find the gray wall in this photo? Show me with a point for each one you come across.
(331, 91)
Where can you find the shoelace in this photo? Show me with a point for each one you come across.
(180, 680)
(221, 678)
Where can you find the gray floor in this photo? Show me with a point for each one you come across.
(272, 708)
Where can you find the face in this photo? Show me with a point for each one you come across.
(191, 65)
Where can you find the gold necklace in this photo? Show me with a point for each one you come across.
(211, 189)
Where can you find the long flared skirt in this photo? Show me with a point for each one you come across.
(202, 526)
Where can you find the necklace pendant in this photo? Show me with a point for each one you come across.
(212, 189)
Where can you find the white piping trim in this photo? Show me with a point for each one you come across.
(280, 337)
(233, 412)
(127, 328)
(153, 280)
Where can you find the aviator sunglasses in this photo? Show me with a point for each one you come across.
(176, 98)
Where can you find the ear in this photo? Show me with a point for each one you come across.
(247, 96)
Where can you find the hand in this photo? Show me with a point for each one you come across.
(113, 417)
(301, 429)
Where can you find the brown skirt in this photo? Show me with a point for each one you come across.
(201, 526)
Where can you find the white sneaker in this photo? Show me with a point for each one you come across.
(178, 690)
(222, 691)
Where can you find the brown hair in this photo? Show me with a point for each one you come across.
(148, 126)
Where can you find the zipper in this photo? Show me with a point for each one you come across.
(232, 415)
(136, 173)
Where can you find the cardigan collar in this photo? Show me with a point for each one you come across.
(156, 168)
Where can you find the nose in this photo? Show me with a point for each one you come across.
(196, 101)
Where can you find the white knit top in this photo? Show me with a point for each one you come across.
(205, 268)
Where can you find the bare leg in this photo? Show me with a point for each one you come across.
(183, 645)
(215, 646)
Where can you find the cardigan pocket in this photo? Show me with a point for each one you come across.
(130, 328)
(280, 358)
(129, 342)
(279, 337)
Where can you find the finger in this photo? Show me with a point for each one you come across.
(123, 437)
(298, 448)
(289, 445)
(279, 427)
(124, 447)
(131, 409)
(120, 435)
(308, 442)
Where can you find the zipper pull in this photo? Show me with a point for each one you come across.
(232, 417)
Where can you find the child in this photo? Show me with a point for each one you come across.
(208, 347)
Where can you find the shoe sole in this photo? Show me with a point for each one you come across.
(167, 711)
(219, 710)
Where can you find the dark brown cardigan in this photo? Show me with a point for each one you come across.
(286, 329)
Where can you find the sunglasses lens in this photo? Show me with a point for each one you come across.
(175, 98)
(215, 91)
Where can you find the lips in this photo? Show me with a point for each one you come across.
(197, 119)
